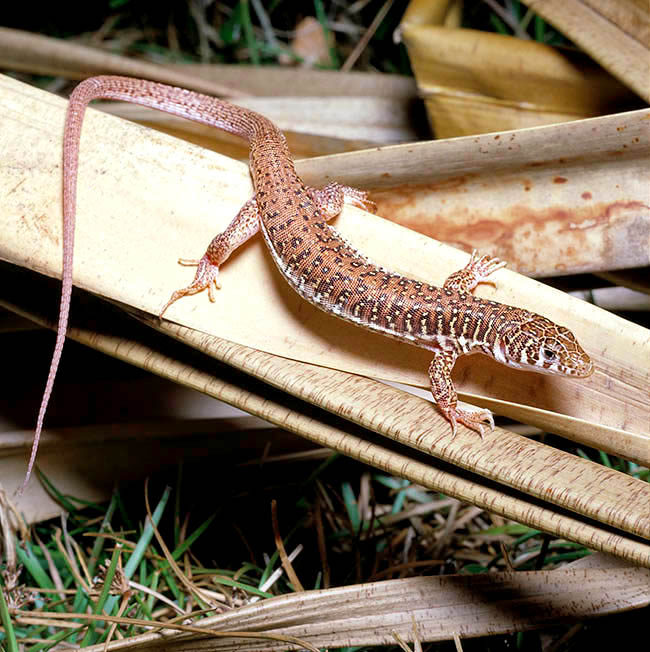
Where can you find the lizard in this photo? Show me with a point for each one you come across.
(320, 265)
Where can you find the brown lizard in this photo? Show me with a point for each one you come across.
(321, 266)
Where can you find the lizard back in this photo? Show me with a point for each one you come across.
(322, 267)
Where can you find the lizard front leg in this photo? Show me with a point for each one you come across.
(331, 198)
(475, 272)
(444, 393)
(463, 281)
(243, 227)
(329, 201)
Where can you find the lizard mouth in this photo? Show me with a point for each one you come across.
(584, 370)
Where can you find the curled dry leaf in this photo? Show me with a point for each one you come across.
(476, 82)
(121, 258)
(441, 607)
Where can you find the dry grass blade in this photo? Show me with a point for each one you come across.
(191, 199)
(282, 639)
(34, 53)
(616, 33)
(625, 501)
(191, 587)
(284, 558)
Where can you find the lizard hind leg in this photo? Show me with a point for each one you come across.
(206, 277)
(244, 226)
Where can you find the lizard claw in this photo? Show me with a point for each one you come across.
(481, 420)
(359, 198)
(206, 277)
(483, 266)
(364, 203)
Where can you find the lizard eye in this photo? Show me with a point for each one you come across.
(549, 354)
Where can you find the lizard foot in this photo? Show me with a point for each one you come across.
(206, 277)
(481, 421)
(359, 198)
(483, 266)
(476, 271)
(331, 198)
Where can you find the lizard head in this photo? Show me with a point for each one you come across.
(538, 344)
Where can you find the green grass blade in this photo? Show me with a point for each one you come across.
(5, 619)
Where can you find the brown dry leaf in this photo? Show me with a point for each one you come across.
(309, 42)
(163, 183)
(478, 82)
(616, 33)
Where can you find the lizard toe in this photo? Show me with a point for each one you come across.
(481, 421)
(206, 277)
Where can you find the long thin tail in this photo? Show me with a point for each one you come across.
(72, 133)
(177, 101)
